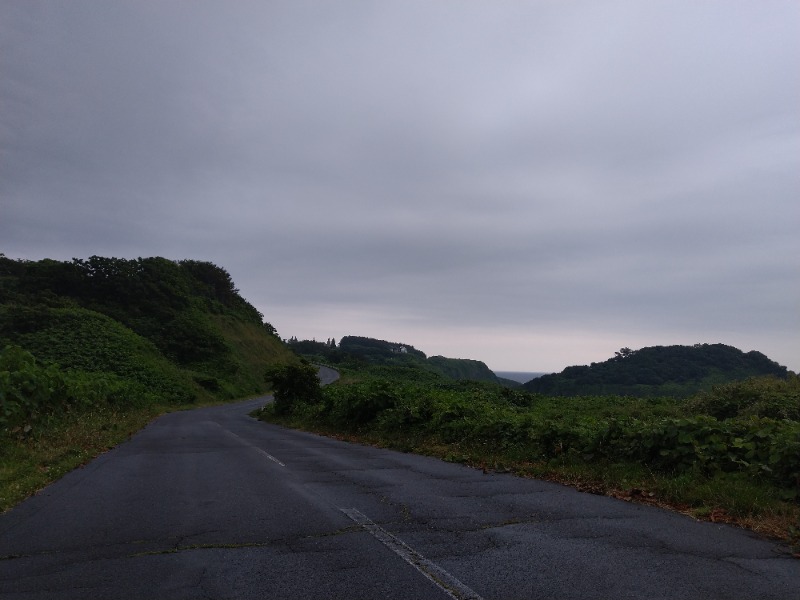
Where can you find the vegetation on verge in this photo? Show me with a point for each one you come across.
(90, 350)
(293, 384)
(52, 421)
(739, 464)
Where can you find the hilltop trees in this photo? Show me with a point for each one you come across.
(623, 353)
(362, 351)
(678, 371)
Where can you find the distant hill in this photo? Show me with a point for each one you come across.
(378, 350)
(462, 368)
(678, 371)
(382, 352)
(179, 328)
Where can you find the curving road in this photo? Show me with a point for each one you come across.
(327, 375)
(211, 503)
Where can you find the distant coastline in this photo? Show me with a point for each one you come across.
(520, 376)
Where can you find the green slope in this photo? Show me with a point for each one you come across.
(91, 350)
(677, 371)
(180, 331)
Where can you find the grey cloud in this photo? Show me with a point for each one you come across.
(586, 170)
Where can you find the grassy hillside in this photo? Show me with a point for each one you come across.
(676, 371)
(179, 325)
(92, 349)
(77, 339)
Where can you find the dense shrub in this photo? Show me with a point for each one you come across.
(180, 330)
(773, 397)
(292, 385)
(651, 432)
(78, 339)
(31, 393)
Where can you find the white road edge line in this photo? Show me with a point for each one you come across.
(268, 455)
(249, 445)
(437, 575)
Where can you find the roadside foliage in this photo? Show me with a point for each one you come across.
(90, 350)
(734, 448)
(661, 433)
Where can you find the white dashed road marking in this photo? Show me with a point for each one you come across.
(256, 448)
(441, 578)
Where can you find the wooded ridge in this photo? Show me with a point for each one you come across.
(676, 371)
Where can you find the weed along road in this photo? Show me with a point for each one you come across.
(211, 503)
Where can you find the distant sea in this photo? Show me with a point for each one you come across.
(521, 376)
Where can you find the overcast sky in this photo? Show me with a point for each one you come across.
(533, 184)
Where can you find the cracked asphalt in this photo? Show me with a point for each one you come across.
(211, 503)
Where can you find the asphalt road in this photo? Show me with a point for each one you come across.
(327, 375)
(214, 504)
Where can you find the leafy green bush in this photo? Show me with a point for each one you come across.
(78, 339)
(759, 446)
(650, 432)
(31, 393)
(292, 385)
(361, 403)
(772, 397)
